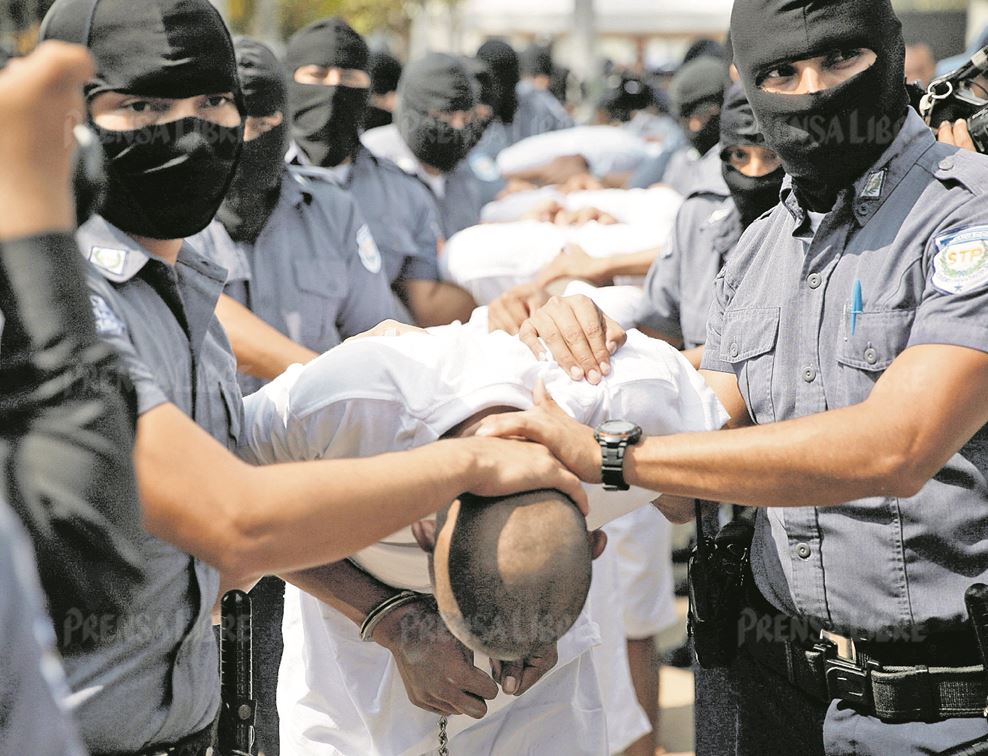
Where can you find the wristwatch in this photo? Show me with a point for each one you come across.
(614, 437)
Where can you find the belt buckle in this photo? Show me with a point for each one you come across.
(846, 679)
(843, 648)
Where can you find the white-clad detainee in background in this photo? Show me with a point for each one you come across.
(340, 695)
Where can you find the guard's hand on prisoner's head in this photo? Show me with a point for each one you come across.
(579, 336)
(570, 442)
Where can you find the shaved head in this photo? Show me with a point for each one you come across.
(511, 574)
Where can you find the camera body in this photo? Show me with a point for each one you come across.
(949, 98)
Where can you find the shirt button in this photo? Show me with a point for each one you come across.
(814, 280)
(809, 375)
(735, 351)
(803, 551)
(871, 356)
(946, 164)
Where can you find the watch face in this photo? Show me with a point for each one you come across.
(617, 428)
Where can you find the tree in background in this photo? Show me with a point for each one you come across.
(364, 15)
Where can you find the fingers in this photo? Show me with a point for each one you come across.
(962, 136)
(506, 314)
(477, 684)
(564, 337)
(530, 338)
(945, 134)
(599, 335)
(535, 668)
(511, 676)
(571, 485)
(614, 335)
(454, 701)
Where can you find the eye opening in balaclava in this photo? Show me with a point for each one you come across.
(752, 195)
(164, 181)
(511, 574)
(435, 84)
(828, 139)
(326, 120)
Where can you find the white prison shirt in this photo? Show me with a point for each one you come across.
(607, 149)
(491, 258)
(374, 395)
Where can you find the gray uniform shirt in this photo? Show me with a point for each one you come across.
(314, 273)
(680, 283)
(913, 233)
(688, 171)
(456, 193)
(152, 676)
(33, 719)
(538, 112)
(401, 214)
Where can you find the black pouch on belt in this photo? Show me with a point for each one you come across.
(718, 575)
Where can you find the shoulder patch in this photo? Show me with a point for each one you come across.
(961, 261)
(111, 260)
(370, 255)
(108, 323)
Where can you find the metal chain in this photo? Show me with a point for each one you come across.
(443, 738)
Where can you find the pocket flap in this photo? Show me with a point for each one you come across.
(326, 278)
(879, 337)
(748, 333)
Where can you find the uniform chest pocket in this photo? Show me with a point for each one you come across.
(322, 278)
(312, 313)
(879, 337)
(748, 343)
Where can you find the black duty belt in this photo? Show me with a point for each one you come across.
(193, 745)
(939, 678)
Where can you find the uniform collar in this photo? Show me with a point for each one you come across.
(295, 156)
(296, 187)
(870, 191)
(119, 258)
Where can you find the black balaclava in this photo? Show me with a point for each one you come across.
(254, 190)
(828, 139)
(483, 93)
(437, 83)
(385, 71)
(697, 83)
(164, 181)
(536, 60)
(753, 195)
(326, 121)
(502, 61)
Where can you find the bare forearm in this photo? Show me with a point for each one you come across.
(822, 460)
(343, 586)
(434, 303)
(261, 351)
(632, 264)
(695, 356)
